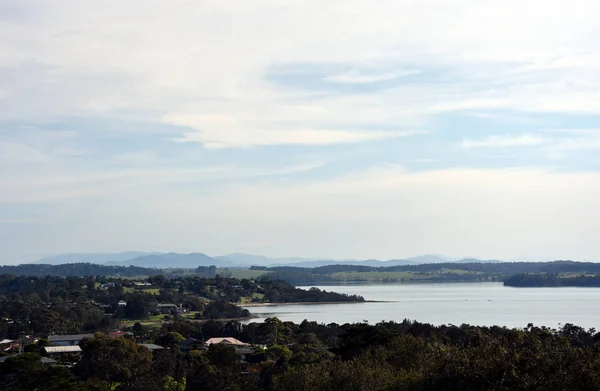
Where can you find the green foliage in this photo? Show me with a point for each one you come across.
(171, 384)
(139, 305)
(25, 372)
(222, 309)
(387, 356)
(170, 340)
(113, 360)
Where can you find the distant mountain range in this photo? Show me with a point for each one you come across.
(99, 258)
(193, 260)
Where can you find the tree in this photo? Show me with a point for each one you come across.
(24, 372)
(212, 271)
(170, 340)
(138, 329)
(113, 359)
(139, 305)
(170, 384)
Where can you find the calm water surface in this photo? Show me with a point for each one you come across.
(472, 303)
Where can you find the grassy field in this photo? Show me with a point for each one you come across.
(246, 300)
(374, 276)
(155, 320)
(456, 271)
(150, 291)
(395, 276)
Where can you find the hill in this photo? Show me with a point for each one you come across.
(243, 259)
(193, 260)
(174, 260)
(98, 258)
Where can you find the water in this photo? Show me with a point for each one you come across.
(484, 304)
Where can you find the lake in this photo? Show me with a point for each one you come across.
(484, 304)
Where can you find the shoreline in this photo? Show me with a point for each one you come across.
(271, 304)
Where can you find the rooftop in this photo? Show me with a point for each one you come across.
(72, 337)
(190, 341)
(226, 340)
(62, 349)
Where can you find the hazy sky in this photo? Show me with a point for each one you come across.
(316, 128)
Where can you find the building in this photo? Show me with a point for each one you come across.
(242, 349)
(65, 354)
(108, 309)
(75, 349)
(8, 344)
(67, 340)
(167, 308)
(226, 340)
(191, 344)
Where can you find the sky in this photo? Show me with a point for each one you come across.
(315, 128)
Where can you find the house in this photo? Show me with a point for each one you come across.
(74, 349)
(242, 349)
(8, 344)
(191, 344)
(106, 308)
(63, 354)
(67, 340)
(226, 340)
(167, 308)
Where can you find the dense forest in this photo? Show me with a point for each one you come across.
(309, 356)
(551, 280)
(433, 272)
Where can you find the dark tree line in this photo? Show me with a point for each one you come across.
(436, 272)
(387, 356)
(551, 280)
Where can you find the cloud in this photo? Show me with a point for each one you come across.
(314, 137)
(44, 187)
(353, 76)
(580, 139)
(505, 141)
(223, 131)
(17, 153)
(382, 212)
(162, 95)
(54, 47)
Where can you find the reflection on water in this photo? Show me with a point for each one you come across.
(472, 303)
